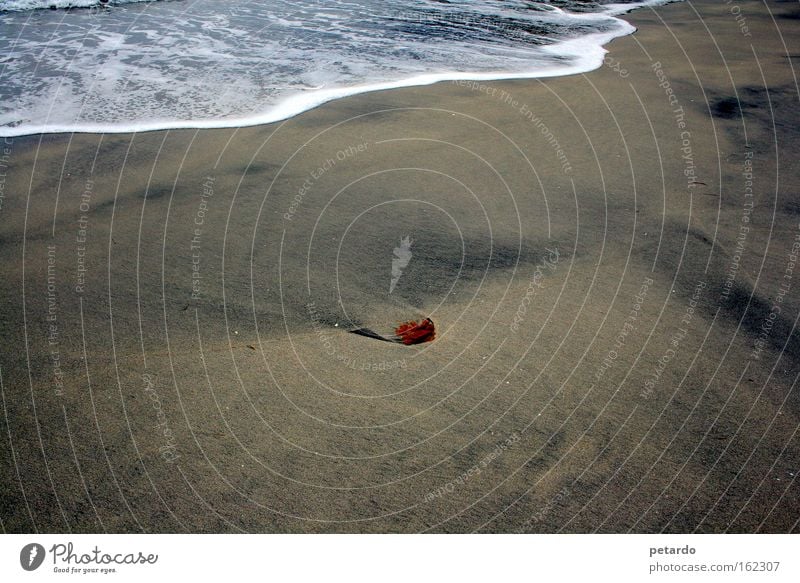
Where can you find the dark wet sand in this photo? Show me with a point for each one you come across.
(615, 306)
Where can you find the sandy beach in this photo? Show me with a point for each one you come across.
(609, 259)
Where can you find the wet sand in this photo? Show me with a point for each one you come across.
(609, 260)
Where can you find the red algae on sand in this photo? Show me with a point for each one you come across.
(412, 332)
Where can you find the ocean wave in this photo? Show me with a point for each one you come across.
(215, 63)
(25, 5)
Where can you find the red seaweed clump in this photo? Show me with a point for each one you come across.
(412, 332)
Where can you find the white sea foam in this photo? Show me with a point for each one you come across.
(21, 5)
(215, 63)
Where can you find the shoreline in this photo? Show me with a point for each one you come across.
(586, 61)
(609, 259)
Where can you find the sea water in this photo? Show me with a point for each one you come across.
(133, 65)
